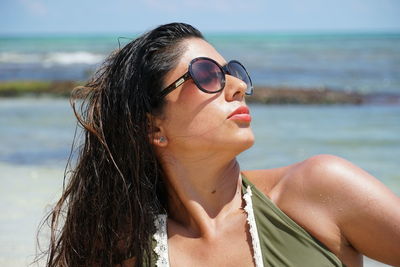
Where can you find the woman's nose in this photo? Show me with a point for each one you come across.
(235, 88)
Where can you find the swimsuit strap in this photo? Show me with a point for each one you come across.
(255, 240)
(161, 238)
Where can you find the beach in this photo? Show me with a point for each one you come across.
(317, 94)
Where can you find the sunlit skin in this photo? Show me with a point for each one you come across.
(345, 208)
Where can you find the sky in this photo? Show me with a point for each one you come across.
(132, 16)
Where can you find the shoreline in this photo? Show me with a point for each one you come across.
(279, 95)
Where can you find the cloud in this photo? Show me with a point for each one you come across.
(35, 7)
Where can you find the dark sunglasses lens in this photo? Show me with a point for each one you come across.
(207, 75)
(236, 69)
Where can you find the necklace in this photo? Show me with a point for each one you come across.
(161, 237)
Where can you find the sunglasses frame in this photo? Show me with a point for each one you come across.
(189, 75)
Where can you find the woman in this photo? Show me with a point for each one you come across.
(157, 181)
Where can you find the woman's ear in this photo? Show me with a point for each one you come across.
(156, 133)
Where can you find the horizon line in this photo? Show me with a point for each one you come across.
(209, 33)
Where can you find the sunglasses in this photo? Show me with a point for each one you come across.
(209, 76)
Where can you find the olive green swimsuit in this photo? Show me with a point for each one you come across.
(276, 239)
(283, 242)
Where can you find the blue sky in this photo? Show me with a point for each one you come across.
(123, 16)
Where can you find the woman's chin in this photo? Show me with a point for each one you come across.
(244, 141)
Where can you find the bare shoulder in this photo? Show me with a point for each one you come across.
(328, 175)
(364, 209)
(340, 196)
(334, 175)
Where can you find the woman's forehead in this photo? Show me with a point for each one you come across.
(196, 47)
(193, 48)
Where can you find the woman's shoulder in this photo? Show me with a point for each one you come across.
(338, 202)
(311, 170)
(331, 182)
(324, 178)
(324, 174)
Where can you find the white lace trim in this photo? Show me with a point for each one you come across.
(253, 228)
(160, 236)
(161, 249)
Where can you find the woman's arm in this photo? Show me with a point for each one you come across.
(366, 211)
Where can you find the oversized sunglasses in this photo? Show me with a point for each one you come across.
(209, 76)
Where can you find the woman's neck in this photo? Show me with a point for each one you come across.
(201, 195)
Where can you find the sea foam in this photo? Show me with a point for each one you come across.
(53, 58)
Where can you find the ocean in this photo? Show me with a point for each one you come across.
(36, 133)
(368, 62)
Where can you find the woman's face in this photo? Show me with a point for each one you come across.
(195, 121)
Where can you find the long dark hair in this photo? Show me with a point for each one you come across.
(115, 188)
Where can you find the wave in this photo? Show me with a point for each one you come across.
(53, 58)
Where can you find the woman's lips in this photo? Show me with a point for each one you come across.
(240, 114)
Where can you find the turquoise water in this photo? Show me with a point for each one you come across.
(359, 62)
